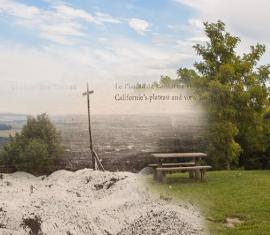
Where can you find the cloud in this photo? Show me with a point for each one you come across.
(139, 25)
(59, 33)
(106, 18)
(62, 23)
(56, 38)
(19, 10)
(198, 39)
(63, 29)
(198, 4)
(195, 23)
(58, 66)
(59, 24)
(247, 18)
(69, 13)
(193, 26)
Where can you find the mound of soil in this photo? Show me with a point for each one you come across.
(89, 202)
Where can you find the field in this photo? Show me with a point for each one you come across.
(244, 195)
(125, 135)
(118, 135)
(123, 142)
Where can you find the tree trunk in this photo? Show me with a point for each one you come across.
(228, 165)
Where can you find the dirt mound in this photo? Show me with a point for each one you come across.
(88, 202)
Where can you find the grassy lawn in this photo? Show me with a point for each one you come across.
(242, 194)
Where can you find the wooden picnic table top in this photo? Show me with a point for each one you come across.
(178, 155)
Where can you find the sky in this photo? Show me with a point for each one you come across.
(50, 49)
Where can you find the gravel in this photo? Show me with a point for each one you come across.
(89, 202)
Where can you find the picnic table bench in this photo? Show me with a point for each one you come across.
(162, 168)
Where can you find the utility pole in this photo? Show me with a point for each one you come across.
(96, 163)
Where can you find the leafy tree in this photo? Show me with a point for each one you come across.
(36, 148)
(235, 95)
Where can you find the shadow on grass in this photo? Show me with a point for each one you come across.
(181, 178)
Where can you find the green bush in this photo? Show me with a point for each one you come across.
(35, 149)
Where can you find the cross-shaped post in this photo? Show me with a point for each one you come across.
(88, 93)
(96, 162)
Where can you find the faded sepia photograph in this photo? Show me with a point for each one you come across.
(134, 117)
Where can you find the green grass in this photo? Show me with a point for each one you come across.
(242, 194)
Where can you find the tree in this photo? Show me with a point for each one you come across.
(235, 96)
(36, 148)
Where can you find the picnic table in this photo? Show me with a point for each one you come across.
(170, 163)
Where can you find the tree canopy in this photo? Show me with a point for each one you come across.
(35, 149)
(235, 95)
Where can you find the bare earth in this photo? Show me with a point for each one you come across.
(89, 202)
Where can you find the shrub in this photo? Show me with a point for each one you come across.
(35, 149)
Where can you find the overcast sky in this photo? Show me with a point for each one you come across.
(50, 49)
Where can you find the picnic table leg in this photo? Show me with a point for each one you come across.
(161, 177)
(197, 174)
(196, 161)
(191, 174)
(203, 175)
(155, 174)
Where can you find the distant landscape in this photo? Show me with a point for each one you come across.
(123, 135)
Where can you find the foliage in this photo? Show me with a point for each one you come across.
(234, 93)
(36, 148)
(224, 196)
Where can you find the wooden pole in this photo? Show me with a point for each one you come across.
(95, 159)
(89, 129)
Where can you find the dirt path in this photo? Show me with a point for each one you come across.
(88, 202)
